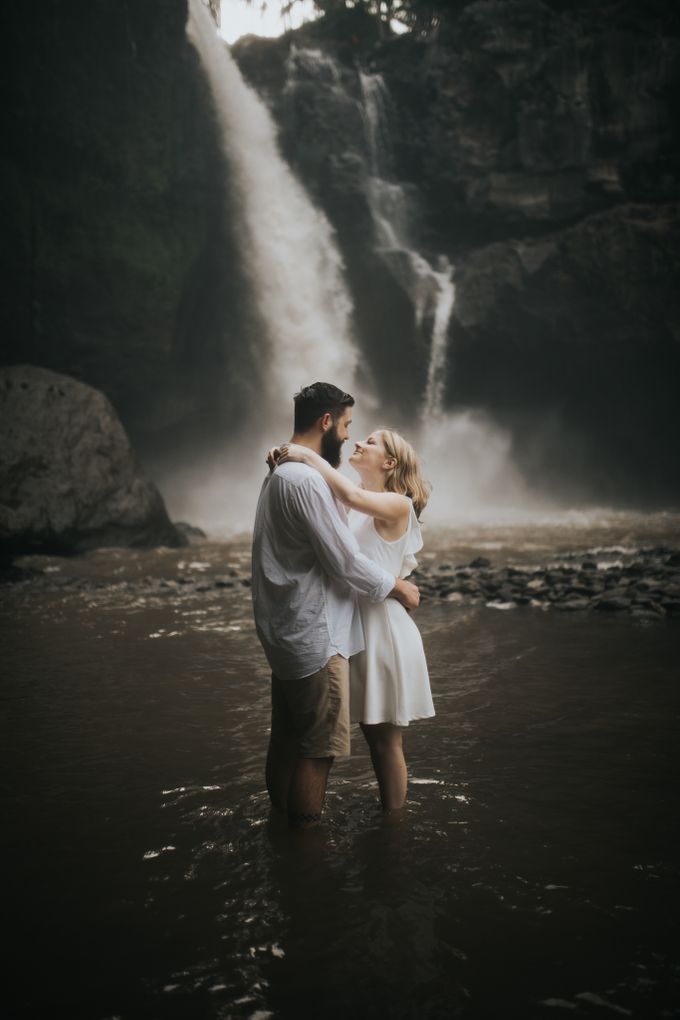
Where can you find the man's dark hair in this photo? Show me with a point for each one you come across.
(312, 402)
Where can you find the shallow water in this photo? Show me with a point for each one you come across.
(534, 873)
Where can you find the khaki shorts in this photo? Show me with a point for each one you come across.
(315, 709)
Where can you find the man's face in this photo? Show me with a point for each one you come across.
(337, 434)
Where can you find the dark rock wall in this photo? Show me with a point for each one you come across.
(573, 339)
(116, 260)
(521, 117)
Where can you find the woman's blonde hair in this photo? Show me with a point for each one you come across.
(406, 476)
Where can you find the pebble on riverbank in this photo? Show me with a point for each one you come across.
(644, 583)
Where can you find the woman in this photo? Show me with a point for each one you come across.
(390, 686)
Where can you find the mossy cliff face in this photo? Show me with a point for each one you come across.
(542, 146)
(118, 266)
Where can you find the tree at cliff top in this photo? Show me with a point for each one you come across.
(416, 15)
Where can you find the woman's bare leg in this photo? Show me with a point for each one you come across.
(387, 754)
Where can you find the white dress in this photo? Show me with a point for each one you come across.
(389, 680)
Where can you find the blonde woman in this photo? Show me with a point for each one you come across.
(390, 685)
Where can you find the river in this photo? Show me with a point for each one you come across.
(534, 872)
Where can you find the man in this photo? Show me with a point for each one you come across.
(307, 569)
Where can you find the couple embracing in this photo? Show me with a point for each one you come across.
(332, 606)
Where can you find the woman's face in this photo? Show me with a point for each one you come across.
(370, 455)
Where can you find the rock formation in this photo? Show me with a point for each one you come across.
(541, 145)
(118, 263)
(68, 479)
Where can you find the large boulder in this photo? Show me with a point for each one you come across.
(68, 478)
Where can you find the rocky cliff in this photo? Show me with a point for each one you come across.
(117, 263)
(541, 148)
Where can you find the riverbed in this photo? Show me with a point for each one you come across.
(534, 872)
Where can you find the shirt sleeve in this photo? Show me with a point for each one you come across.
(334, 544)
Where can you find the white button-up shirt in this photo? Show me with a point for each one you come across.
(307, 567)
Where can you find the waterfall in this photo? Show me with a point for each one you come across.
(436, 370)
(431, 290)
(288, 244)
(296, 275)
(466, 456)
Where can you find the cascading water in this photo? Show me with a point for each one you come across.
(431, 290)
(296, 272)
(287, 243)
(465, 455)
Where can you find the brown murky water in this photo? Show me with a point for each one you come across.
(534, 874)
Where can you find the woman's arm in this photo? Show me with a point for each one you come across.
(384, 506)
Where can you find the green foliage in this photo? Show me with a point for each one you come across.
(419, 16)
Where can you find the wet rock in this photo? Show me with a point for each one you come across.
(12, 574)
(580, 590)
(647, 587)
(479, 563)
(651, 606)
(634, 569)
(191, 534)
(573, 604)
(612, 604)
(644, 614)
(616, 593)
(67, 473)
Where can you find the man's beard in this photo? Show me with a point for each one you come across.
(331, 447)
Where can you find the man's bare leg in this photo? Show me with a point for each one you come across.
(387, 754)
(307, 791)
